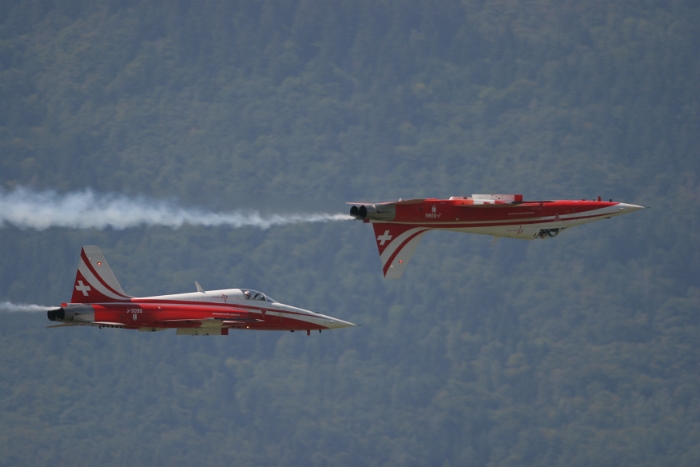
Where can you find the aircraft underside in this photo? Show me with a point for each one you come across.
(526, 229)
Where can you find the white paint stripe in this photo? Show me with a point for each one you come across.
(396, 243)
(400, 261)
(96, 284)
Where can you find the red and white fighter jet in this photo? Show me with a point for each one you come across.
(399, 225)
(99, 300)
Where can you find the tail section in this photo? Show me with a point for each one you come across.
(95, 282)
(396, 244)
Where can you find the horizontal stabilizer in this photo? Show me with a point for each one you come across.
(399, 201)
(108, 324)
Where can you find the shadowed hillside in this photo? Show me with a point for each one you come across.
(580, 350)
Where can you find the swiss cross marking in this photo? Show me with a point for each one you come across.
(382, 239)
(82, 288)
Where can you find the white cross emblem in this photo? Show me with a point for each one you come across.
(82, 288)
(384, 238)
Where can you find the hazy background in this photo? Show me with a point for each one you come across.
(580, 350)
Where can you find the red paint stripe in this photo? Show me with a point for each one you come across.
(86, 260)
(398, 250)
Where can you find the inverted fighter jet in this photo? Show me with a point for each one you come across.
(399, 225)
(99, 300)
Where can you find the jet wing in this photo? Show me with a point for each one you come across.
(212, 322)
(63, 325)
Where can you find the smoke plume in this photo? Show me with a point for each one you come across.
(9, 307)
(25, 208)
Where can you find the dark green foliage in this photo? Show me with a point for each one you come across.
(582, 350)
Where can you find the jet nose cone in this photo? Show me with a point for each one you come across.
(334, 323)
(627, 208)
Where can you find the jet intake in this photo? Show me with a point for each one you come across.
(386, 212)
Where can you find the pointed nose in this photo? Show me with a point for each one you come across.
(627, 208)
(334, 323)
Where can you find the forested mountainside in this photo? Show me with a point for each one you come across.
(579, 350)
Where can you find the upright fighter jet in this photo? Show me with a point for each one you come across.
(399, 225)
(99, 300)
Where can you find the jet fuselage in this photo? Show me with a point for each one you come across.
(99, 300)
(399, 225)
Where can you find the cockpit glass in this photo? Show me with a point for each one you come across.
(255, 295)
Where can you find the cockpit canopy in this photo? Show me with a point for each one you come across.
(250, 294)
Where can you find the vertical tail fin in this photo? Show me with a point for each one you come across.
(95, 282)
(396, 244)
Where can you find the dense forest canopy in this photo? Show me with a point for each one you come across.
(581, 350)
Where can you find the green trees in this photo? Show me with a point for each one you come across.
(575, 351)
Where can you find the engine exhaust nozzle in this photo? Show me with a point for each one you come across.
(56, 315)
(371, 211)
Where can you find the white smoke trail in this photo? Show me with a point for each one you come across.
(9, 307)
(25, 208)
